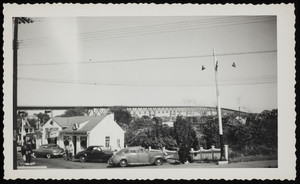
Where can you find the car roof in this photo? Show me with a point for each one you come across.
(96, 146)
(135, 147)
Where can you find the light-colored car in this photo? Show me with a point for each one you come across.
(48, 151)
(136, 156)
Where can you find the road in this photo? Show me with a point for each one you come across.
(60, 163)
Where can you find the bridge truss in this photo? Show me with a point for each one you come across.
(138, 111)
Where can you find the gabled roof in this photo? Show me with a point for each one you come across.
(92, 122)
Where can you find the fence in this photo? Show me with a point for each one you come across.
(212, 154)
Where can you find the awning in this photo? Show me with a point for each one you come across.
(74, 132)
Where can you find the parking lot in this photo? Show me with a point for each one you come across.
(60, 163)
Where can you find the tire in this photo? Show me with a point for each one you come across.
(158, 161)
(123, 163)
(48, 155)
(82, 159)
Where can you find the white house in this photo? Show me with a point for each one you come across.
(83, 131)
(24, 130)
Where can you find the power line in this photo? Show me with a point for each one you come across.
(159, 31)
(137, 31)
(151, 58)
(202, 21)
(156, 83)
(130, 34)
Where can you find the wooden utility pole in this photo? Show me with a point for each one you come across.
(15, 56)
(16, 21)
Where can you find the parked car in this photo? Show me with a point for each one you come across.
(136, 156)
(94, 153)
(48, 151)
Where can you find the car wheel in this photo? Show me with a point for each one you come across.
(158, 161)
(48, 155)
(82, 159)
(123, 163)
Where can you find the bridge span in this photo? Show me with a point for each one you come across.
(159, 111)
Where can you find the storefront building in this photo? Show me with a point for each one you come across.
(82, 131)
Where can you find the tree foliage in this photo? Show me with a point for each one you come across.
(185, 136)
(43, 118)
(78, 111)
(33, 122)
(149, 132)
(257, 136)
(122, 116)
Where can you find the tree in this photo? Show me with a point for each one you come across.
(185, 137)
(78, 111)
(257, 136)
(43, 118)
(122, 116)
(33, 122)
(146, 132)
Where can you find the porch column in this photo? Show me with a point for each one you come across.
(44, 136)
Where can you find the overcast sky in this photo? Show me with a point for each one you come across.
(105, 61)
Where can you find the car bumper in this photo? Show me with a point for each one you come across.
(59, 154)
(110, 162)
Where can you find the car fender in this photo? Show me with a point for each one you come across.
(117, 159)
(78, 155)
(154, 157)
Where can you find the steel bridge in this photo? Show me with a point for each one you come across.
(159, 111)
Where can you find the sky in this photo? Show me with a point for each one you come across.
(148, 61)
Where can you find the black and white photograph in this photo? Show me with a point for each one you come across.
(150, 92)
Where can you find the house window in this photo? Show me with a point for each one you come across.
(107, 141)
(119, 143)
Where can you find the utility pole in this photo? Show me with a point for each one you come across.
(15, 55)
(16, 21)
(222, 157)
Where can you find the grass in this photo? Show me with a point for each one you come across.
(253, 158)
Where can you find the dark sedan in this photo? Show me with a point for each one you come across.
(94, 153)
(48, 151)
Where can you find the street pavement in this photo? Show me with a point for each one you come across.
(60, 163)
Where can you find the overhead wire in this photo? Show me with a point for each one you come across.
(167, 25)
(135, 31)
(171, 25)
(158, 59)
(127, 34)
(249, 81)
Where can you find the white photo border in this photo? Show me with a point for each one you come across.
(286, 93)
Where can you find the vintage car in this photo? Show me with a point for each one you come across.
(48, 151)
(94, 153)
(136, 156)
